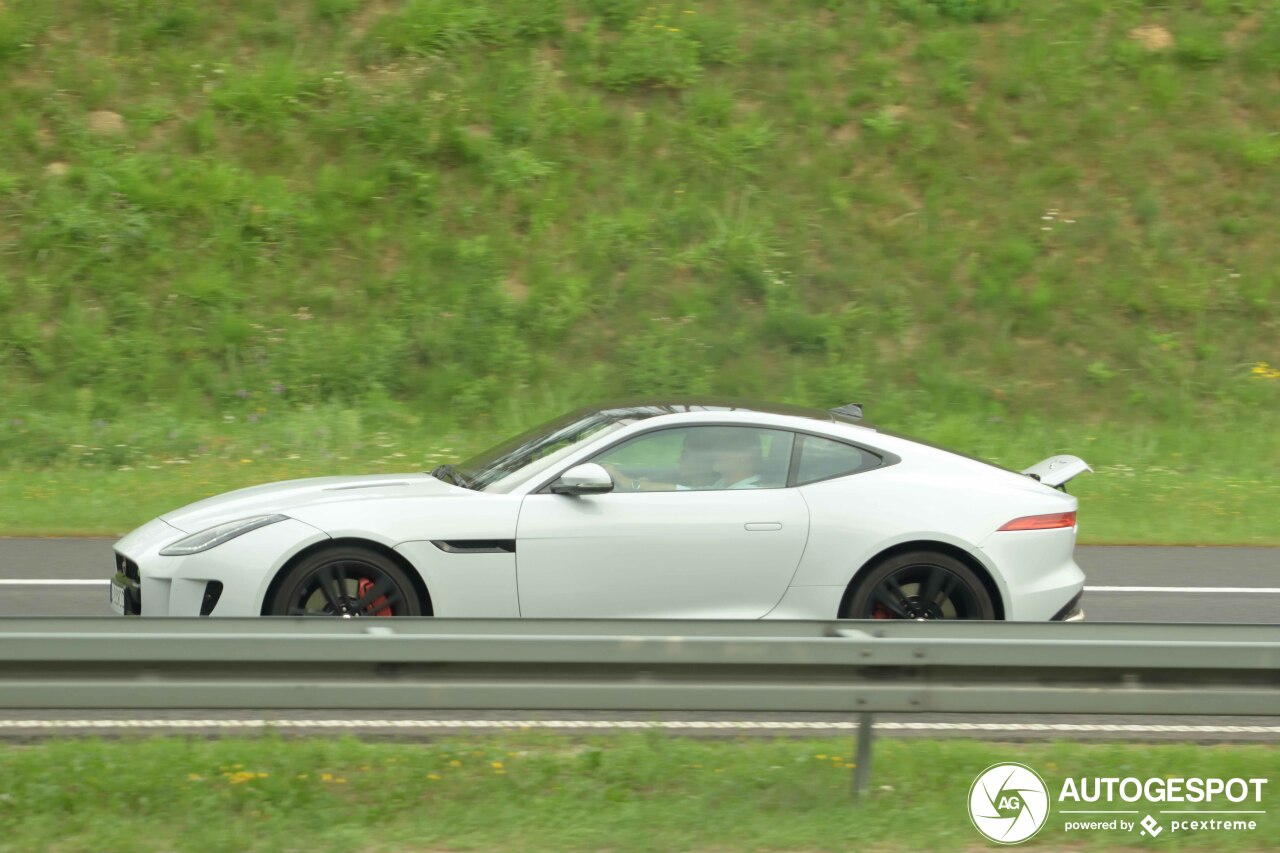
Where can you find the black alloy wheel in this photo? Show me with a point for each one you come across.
(349, 582)
(921, 585)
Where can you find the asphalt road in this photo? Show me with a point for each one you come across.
(66, 577)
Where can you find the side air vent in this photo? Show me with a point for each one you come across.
(476, 546)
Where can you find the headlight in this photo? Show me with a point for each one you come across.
(214, 536)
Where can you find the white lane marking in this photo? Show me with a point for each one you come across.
(52, 582)
(675, 725)
(1220, 589)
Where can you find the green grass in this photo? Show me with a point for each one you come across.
(1039, 216)
(532, 791)
(1150, 486)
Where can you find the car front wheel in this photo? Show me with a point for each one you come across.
(348, 582)
(920, 585)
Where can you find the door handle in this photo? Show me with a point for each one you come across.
(763, 525)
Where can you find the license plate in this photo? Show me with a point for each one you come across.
(118, 593)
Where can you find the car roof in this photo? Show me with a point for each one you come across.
(655, 406)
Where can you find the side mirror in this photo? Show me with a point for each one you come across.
(585, 479)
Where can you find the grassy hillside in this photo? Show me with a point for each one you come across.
(263, 228)
(523, 791)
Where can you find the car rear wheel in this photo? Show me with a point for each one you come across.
(921, 585)
(347, 582)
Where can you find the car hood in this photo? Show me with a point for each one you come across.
(294, 494)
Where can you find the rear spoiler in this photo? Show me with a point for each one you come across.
(1057, 471)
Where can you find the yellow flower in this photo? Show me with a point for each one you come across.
(820, 756)
(434, 777)
(326, 777)
(194, 777)
(455, 763)
(496, 765)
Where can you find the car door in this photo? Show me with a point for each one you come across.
(690, 541)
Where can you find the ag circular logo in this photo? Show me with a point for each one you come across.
(1008, 803)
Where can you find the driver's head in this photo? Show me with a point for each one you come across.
(737, 454)
(696, 458)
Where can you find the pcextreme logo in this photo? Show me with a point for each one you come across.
(1009, 803)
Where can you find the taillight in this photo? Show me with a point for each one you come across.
(1051, 521)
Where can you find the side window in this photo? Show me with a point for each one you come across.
(701, 459)
(822, 459)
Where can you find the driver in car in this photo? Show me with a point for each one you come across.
(709, 459)
(737, 460)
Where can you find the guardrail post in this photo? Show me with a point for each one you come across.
(862, 760)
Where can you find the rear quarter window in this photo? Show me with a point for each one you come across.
(824, 459)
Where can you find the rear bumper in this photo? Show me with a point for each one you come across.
(1071, 611)
(1041, 581)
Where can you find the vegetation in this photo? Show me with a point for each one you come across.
(275, 228)
(1142, 492)
(532, 791)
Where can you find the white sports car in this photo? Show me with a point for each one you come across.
(680, 509)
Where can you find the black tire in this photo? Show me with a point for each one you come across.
(347, 581)
(920, 585)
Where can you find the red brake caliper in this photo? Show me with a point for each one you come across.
(362, 587)
(880, 612)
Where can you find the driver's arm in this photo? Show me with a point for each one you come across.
(626, 483)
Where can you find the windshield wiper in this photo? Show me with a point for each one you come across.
(450, 475)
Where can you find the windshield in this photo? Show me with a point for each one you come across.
(532, 451)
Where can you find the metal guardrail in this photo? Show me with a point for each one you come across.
(638, 665)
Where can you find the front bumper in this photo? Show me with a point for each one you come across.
(125, 593)
(227, 580)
